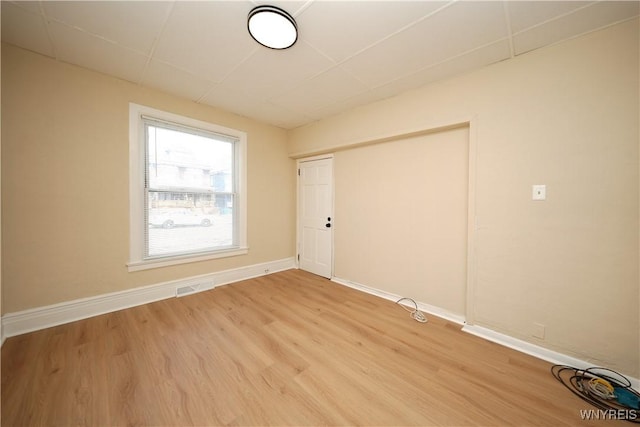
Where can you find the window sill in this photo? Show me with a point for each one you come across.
(165, 262)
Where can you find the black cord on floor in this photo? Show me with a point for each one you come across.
(603, 388)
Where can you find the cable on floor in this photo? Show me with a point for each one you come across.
(416, 314)
(603, 388)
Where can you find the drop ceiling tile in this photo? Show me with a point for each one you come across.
(344, 105)
(476, 59)
(229, 100)
(208, 39)
(452, 31)
(80, 48)
(25, 29)
(133, 24)
(290, 6)
(473, 60)
(341, 29)
(270, 72)
(292, 123)
(583, 20)
(204, 52)
(31, 6)
(175, 81)
(325, 89)
(468, 62)
(525, 14)
(269, 113)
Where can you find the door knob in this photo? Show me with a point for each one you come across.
(328, 225)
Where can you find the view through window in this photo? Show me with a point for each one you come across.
(190, 190)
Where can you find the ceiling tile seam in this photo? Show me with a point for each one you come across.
(322, 106)
(584, 33)
(43, 19)
(154, 45)
(184, 70)
(316, 113)
(373, 87)
(226, 76)
(334, 64)
(302, 8)
(451, 58)
(271, 99)
(507, 17)
(365, 84)
(47, 30)
(291, 88)
(291, 112)
(314, 76)
(321, 53)
(310, 113)
(19, 5)
(556, 17)
(255, 50)
(398, 31)
(90, 34)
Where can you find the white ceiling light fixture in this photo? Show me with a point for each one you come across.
(272, 27)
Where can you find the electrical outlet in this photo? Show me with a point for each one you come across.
(538, 331)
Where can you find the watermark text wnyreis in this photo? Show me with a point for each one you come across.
(610, 414)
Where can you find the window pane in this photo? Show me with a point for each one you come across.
(182, 160)
(190, 191)
(179, 223)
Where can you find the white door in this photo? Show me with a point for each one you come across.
(315, 210)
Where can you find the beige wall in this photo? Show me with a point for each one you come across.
(565, 116)
(65, 172)
(401, 217)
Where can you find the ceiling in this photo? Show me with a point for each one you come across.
(348, 53)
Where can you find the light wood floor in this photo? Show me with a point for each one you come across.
(285, 349)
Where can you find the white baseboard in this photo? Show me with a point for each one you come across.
(427, 308)
(485, 333)
(534, 350)
(57, 314)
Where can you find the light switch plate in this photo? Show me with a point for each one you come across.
(539, 192)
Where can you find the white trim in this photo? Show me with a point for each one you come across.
(472, 167)
(427, 128)
(137, 179)
(428, 308)
(534, 350)
(57, 314)
(319, 157)
(163, 262)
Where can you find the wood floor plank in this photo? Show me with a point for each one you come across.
(289, 348)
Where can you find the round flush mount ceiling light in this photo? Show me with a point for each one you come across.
(272, 27)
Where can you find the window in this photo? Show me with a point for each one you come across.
(187, 189)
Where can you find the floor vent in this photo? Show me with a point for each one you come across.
(186, 290)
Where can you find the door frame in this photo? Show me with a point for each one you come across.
(332, 210)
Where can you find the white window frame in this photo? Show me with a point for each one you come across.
(137, 159)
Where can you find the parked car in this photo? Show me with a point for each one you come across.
(169, 218)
